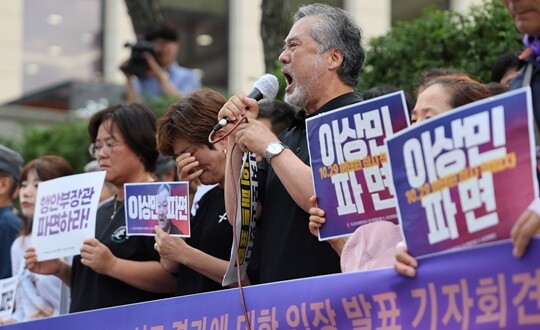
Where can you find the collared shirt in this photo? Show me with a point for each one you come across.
(186, 80)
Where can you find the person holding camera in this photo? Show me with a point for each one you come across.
(152, 70)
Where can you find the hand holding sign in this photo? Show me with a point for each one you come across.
(316, 217)
(525, 228)
(97, 256)
(405, 264)
(170, 247)
(463, 177)
(56, 267)
(65, 214)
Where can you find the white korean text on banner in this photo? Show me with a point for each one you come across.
(349, 163)
(465, 176)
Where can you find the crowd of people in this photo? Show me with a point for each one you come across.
(321, 61)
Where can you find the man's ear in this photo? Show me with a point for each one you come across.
(335, 59)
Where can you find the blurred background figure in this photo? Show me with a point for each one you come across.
(161, 75)
(276, 115)
(527, 22)
(505, 68)
(10, 223)
(165, 169)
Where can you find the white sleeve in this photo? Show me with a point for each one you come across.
(535, 206)
(16, 269)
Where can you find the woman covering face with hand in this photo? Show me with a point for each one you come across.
(114, 269)
(200, 261)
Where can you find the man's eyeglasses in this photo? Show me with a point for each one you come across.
(107, 149)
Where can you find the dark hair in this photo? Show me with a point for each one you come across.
(504, 62)
(47, 168)
(164, 166)
(164, 31)
(192, 118)
(281, 114)
(336, 29)
(462, 89)
(136, 123)
(496, 88)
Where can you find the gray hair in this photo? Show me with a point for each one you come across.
(337, 29)
(164, 187)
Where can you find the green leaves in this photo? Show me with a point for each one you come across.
(69, 140)
(441, 39)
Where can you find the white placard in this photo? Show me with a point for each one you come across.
(8, 288)
(65, 214)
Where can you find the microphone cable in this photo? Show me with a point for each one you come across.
(235, 242)
(210, 136)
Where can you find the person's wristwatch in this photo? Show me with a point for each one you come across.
(273, 149)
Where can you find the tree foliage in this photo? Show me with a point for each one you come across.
(69, 140)
(441, 39)
(144, 14)
(275, 24)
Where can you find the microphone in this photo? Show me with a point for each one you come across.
(266, 87)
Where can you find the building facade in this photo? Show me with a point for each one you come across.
(48, 42)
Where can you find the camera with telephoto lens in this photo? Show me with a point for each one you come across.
(137, 64)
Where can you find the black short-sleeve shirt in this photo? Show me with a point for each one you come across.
(90, 290)
(285, 247)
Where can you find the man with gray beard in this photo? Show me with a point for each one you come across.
(322, 57)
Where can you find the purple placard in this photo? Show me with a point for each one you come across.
(165, 204)
(482, 287)
(348, 162)
(464, 177)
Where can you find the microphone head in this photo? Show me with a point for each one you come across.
(268, 86)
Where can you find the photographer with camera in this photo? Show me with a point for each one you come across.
(152, 70)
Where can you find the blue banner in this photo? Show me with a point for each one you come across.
(482, 287)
